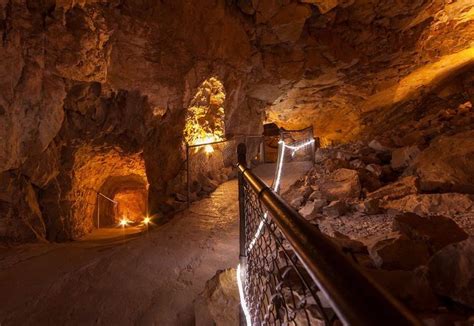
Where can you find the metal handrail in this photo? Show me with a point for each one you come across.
(355, 298)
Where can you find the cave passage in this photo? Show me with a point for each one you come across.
(119, 127)
(122, 201)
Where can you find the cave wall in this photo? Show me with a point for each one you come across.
(103, 85)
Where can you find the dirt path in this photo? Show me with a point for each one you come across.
(146, 280)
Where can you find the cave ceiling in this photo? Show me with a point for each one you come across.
(325, 63)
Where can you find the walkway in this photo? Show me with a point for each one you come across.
(145, 280)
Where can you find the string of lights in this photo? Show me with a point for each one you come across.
(276, 187)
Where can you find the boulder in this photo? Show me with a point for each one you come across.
(335, 209)
(451, 272)
(436, 231)
(433, 204)
(403, 157)
(333, 164)
(341, 184)
(375, 169)
(410, 287)
(316, 195)
(447, 165)
(405, 186)
(348, 244)
(219, 303)
(357, 164)
(396, 251)
(312, 208)
(370, 207)
(369, 181)
(378, 146)
(298, 192)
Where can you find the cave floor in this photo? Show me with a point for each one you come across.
(137, 278)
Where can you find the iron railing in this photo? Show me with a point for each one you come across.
(291, 274)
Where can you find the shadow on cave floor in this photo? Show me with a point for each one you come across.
(152, 279)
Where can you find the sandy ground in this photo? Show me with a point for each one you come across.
(129, 278)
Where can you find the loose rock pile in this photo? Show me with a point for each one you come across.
(406, 215)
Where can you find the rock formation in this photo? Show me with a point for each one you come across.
(112, 78)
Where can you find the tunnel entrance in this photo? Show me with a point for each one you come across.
(122, 201)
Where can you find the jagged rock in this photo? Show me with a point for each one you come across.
(396, 251)
(335, 209)
(436, 231)
(433, 204)
(316, 195)
(288, 22)
(219, 303)
(312, 208)
(447, 164)
(341, 184)
(405, 186)
(370, 207)
(375, 169)
(348, 244)
(333, 164)
(369, 181)
(451, 271)
(357, 164)
(410, 287)
(403, 157)
(377, 145)
(297, 202)
(21, 219)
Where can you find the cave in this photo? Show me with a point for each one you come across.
(237, 162)
(121, 198)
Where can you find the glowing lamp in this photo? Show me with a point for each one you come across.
(209, 149)
(146, 220)
(123, 222)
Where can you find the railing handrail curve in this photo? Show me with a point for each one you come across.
(356, 299)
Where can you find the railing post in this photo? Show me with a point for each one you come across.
(188, 184)
(242, 161)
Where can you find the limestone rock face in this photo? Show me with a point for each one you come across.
(451, 272)
(219, 303)
(448, 164)
(21, 219)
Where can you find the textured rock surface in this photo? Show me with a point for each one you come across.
(219, 303)
(435, 204)
(451, 271)
(105, 74)
(341, 184)
(448, 164)
(436, 231)
(396, 251)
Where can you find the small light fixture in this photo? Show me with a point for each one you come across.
(208, 149)
(146, 220)
(123, 222)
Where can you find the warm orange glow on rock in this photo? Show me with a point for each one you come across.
(205, 116)
(131, 204)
